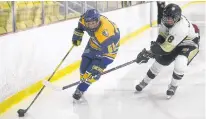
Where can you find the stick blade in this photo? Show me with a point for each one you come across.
(169, 97)
(21, 112)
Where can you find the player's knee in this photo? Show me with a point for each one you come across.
(85, 76)
(155, 69)
(93, 79)
(180, 64)
(88, 78)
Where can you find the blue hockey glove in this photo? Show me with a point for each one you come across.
(77, 37)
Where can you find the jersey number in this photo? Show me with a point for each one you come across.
(170, 39)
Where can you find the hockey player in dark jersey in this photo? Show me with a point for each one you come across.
(100, 51)
(178, 41)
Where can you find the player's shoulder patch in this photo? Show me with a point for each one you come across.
(105, 32)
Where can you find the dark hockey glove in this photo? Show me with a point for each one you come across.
(77, 37)
(144, 56)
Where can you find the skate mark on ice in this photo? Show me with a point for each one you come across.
(164, 111)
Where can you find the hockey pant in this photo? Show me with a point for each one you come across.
(91, 69)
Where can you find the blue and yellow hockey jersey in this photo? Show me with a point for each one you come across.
(105, 39)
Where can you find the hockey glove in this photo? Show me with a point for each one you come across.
(77, 37)
(144, 56)
(93, 75)
(97, 68)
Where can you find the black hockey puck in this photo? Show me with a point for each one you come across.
(21, 112)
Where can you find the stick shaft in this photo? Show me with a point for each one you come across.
(49, 78)
(110, 70)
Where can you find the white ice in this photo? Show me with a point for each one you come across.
(113, 96)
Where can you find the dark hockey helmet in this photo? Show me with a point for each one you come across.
(92, 18)
(171, 15)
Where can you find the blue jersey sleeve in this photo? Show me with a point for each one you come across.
(80, 27)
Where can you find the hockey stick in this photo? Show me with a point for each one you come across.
(21, 112)
(48, 84)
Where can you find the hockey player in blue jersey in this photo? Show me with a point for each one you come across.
(100, 51)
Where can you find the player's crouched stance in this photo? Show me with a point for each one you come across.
(100, 51)
(178, 41)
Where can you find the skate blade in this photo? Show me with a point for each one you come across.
(169, 97)
(137, 92)
(80, 101)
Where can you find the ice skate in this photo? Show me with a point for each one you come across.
(171, 91)
(141, 86)
(78, 97)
